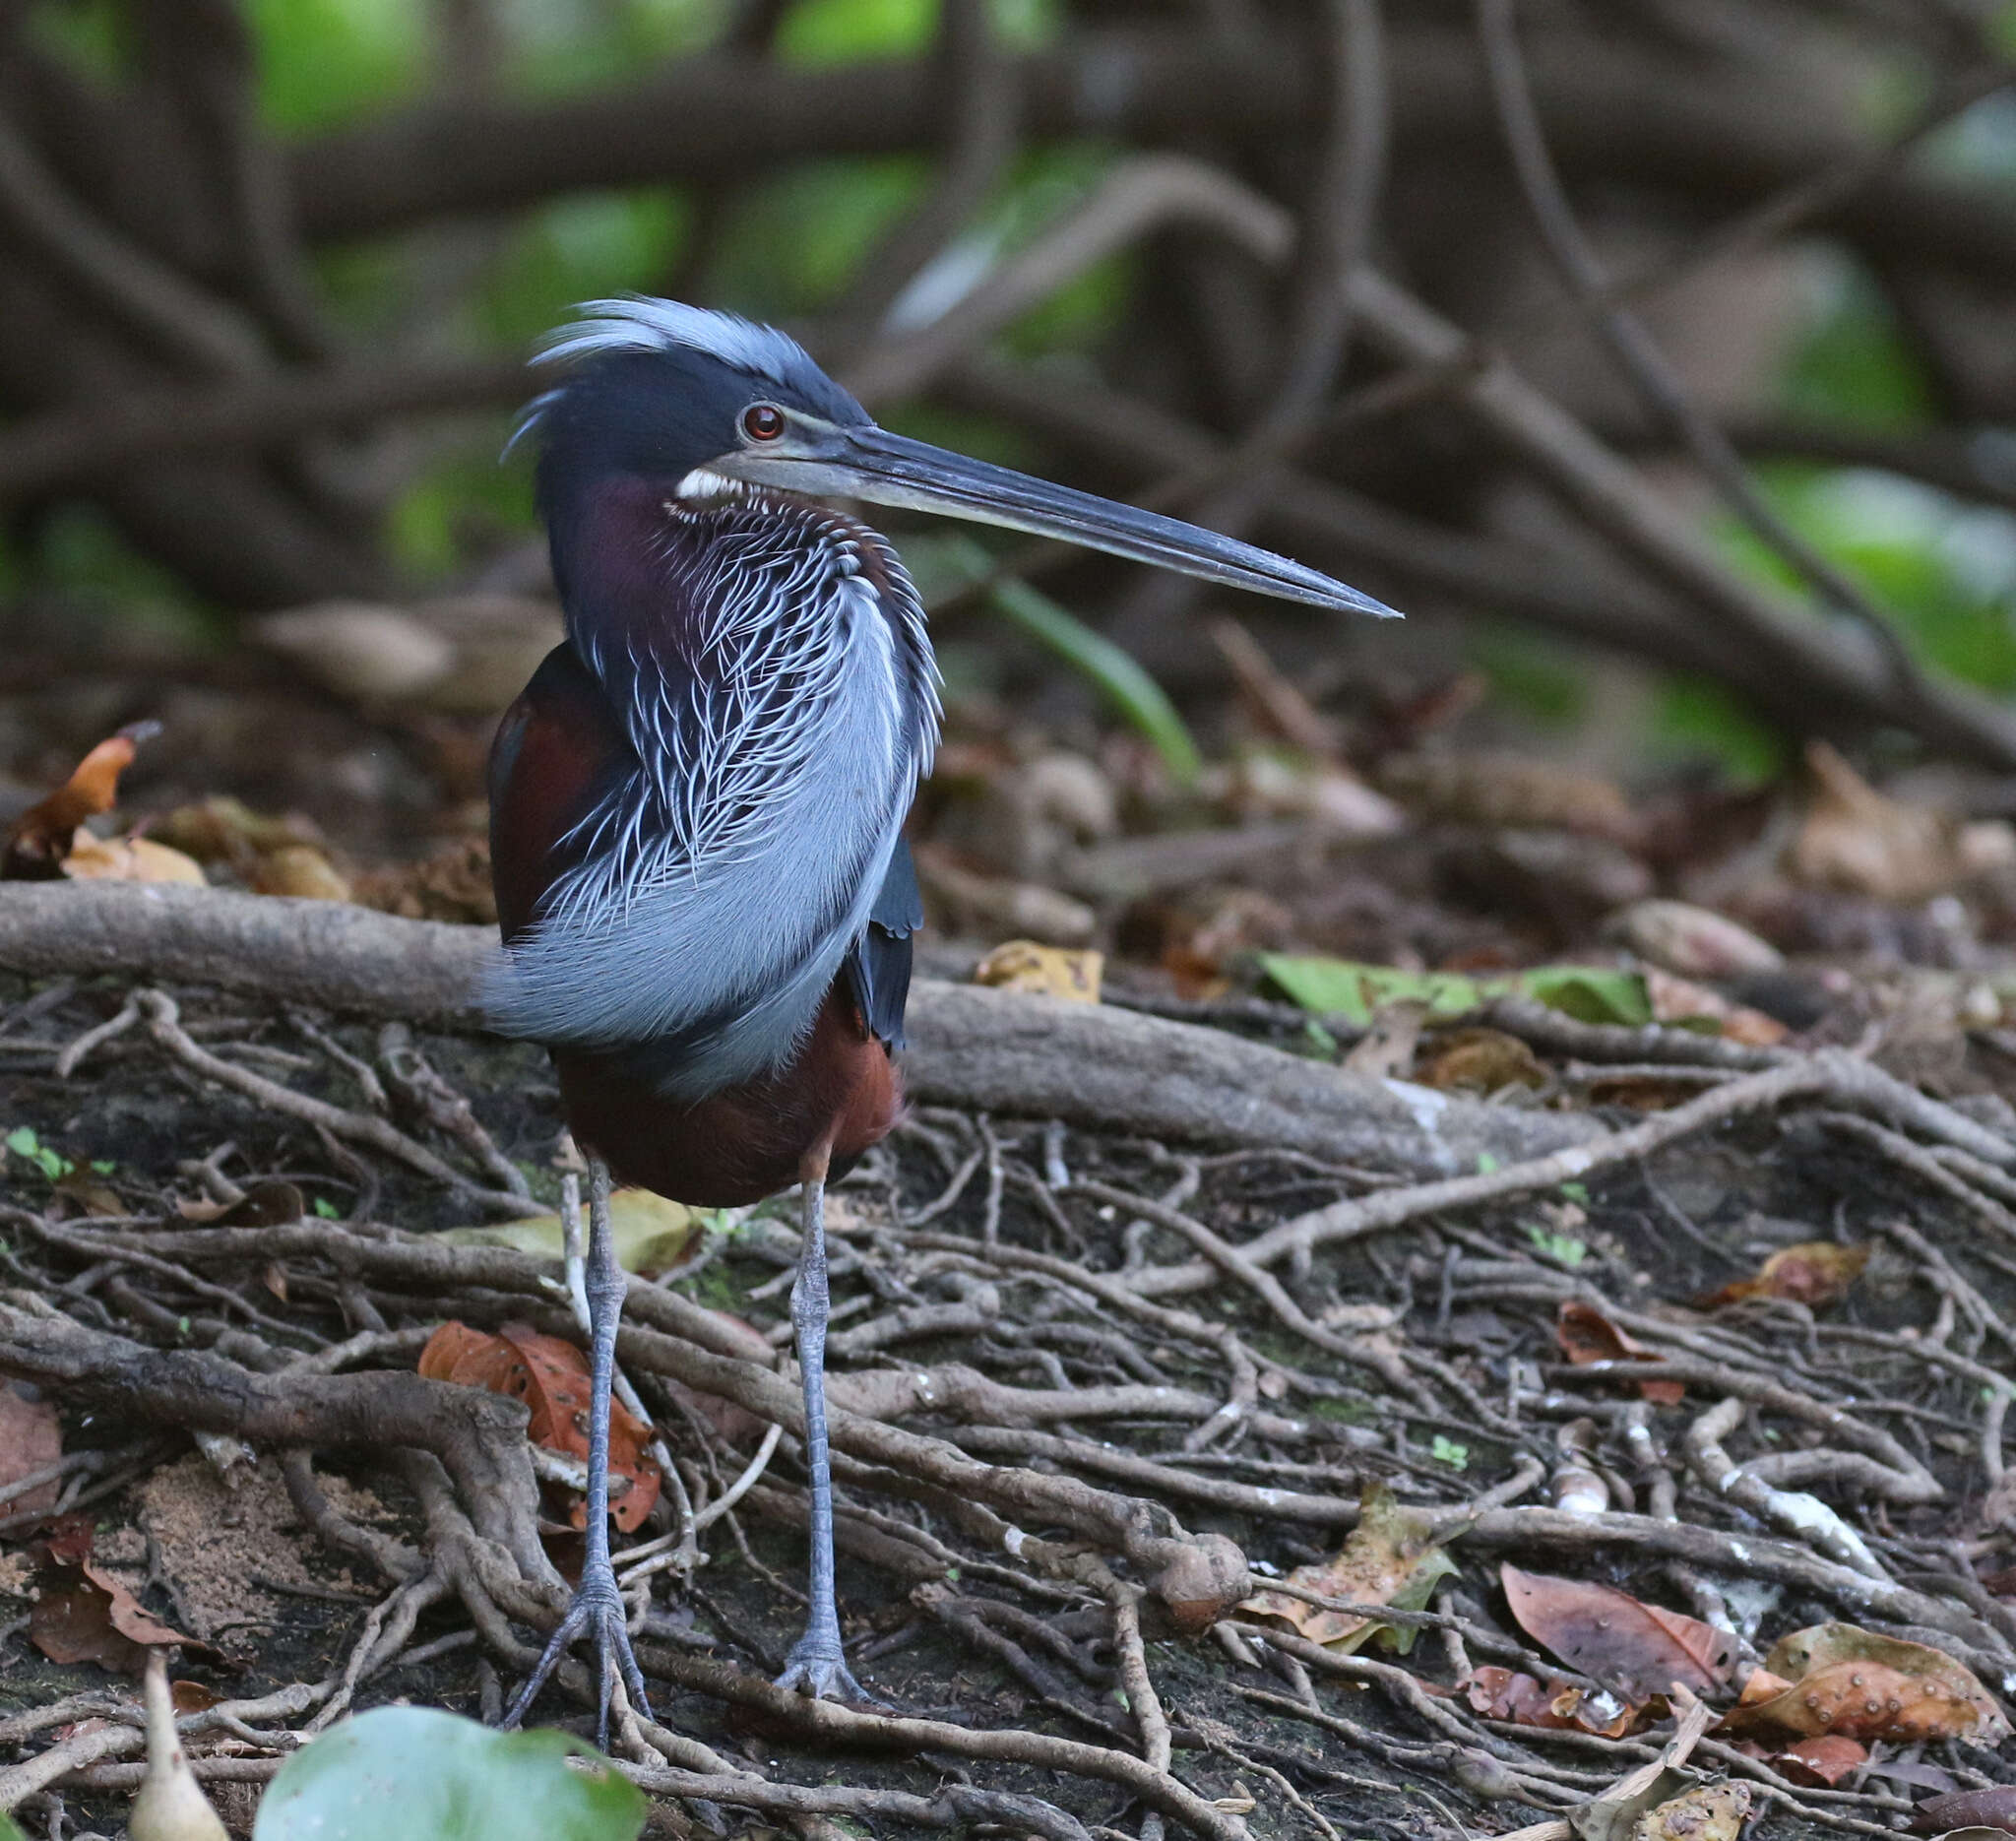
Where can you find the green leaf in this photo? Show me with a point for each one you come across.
(1564, 1247)
(24, 1143)
(1134, 695)
(1456, 1457)
(448, 1779)
(1344, 988)
(1127, 687)
(1589, 993)
(327, 1209)
(8, 1831)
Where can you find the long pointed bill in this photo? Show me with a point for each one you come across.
(890, 469)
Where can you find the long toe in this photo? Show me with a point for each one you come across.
(597, 1611)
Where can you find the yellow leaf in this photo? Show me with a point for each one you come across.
(1388, 1559)
(1045, 971)
(653, 1235)
(129, 860)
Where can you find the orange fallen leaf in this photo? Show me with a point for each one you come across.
(1636, 1649)
(303, 870)
(1815, 1273)
(42, 837)
(551, 1377)
(1586, 1335)
(1837, 1679)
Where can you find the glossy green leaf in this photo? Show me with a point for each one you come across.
(432, 1776)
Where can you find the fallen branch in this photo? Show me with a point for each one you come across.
(478, 1437)
(996, 1052)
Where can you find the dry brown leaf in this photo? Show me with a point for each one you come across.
(1816, 1273)
(1043, 971)
(1994, 1807)
(1636, 1649)
(1839, 1679)
(1508, 790)
(83, 1613)
(1642, 1093)
(129, 860)
(222, 828)
(31, 1439)
(88, 1192)
(1862, 841)
(551, 1377)
(1820, 1763)
(1586, 1335)
(1502, 1694)
(1386, 1049)
(1480, 1060)
(1389, 1559)
(1679, 1001)
(1691, 943)
(452, 884)
(303, 870)
(42, 836)
(1705, 1813)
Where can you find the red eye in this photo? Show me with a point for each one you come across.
(763, 421)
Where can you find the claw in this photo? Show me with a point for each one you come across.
(816, 1668)
(597, 1612)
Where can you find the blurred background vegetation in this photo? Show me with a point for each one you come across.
(1812, 203)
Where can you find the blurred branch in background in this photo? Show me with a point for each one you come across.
(255, 307)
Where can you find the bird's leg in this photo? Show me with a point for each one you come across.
(598, 1609)
(816, 1665)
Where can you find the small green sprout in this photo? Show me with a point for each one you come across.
(1562, 1247)
(327, 1209)
(1448, 1451)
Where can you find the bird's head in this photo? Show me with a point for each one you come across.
(705, 405)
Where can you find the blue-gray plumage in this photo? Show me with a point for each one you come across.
(697, 804)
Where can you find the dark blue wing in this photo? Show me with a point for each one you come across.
(877, 966)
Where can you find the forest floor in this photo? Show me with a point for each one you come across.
(1582, 1435)
(1430, 1359)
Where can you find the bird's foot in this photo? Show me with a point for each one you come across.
(816, 1666)
(597, 1612)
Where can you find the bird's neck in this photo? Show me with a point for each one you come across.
(713, 589)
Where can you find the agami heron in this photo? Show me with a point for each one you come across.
(697, 808)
